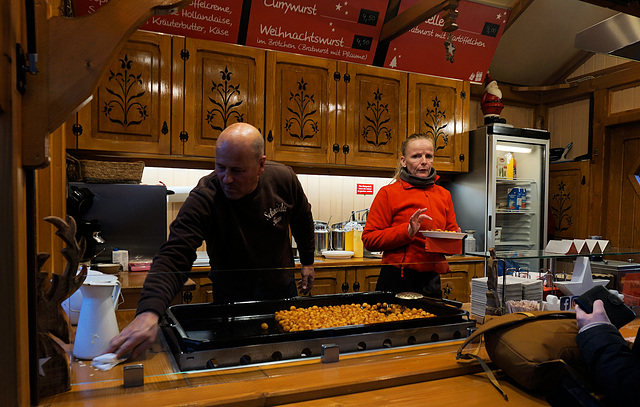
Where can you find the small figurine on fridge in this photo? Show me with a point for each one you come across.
(491, 103)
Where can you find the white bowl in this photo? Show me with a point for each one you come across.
(337, 254)
(442, 234)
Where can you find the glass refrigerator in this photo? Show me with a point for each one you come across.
(504, 196)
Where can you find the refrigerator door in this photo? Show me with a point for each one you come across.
(481, 196)
(517, 199)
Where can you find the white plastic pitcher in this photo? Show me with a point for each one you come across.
(73, 304)
(97, 323)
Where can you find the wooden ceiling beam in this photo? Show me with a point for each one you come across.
(411, 17)
(573, 63)
(517, 10)
(633, 7)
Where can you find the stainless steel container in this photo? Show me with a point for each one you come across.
(337, 239)
(321, 234)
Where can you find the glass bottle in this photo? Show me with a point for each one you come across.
(470, 242)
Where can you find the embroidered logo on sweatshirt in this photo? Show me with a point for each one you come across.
(275, 214)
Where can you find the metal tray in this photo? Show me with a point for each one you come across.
(208, 335)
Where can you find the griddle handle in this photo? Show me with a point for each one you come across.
(446, 301)
(457, 304)
(167, 321)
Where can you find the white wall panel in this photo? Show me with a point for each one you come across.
(625, 99)
(330, 196)
(570, 123)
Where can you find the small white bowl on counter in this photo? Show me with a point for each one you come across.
(337, 254)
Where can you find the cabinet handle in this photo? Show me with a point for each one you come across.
(347, 78)
(345, 287)
(336, 148)
(582, 181)
(184, 54)
(463, 94)
(356, 286)
(270, 136)
(345, 149)
(461, 157)
(165, 128)
(336, 76)
(187, 297)
(446, 291)
(77, 129)
(184, 136)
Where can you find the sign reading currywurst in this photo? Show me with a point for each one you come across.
(217, 20)
(324, 28)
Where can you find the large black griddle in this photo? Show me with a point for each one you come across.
(203, 336)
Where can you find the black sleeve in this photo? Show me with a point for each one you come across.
(302, 222)
(611, 362)
(171, 265)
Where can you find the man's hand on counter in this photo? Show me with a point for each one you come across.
(306, 282)
(136, 337)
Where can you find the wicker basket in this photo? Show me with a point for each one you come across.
(104, 172)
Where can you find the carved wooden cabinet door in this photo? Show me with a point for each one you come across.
(440, 107)
(568, 200)
(375, 116)
(223, 84)
(300, 109)
(131, 108)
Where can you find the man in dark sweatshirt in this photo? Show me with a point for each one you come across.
(243, 211)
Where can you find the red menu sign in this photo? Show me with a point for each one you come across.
(344, 30)
(217, 20)
(364, 189)
(465, 55)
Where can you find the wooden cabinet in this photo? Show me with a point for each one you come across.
(374, 114)
(440, 107)
(300, 109)
(338, 280)
(568, 199)
(131, 108)
(456, 284)
(172, 96)
(215, 85)
(325, 112)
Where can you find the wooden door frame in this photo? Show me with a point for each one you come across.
(612, 162)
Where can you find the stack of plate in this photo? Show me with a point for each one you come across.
(517, 289)
(532, 290)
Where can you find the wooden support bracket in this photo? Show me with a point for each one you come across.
(414, 15)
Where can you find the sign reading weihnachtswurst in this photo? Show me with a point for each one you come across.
(217, 20)
(344, 30)
(464, 54)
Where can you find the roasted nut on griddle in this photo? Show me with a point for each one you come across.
(264, 326)
(303, 319)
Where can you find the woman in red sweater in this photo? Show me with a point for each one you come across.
(411, 203)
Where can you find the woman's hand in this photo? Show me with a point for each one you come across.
(415, 220)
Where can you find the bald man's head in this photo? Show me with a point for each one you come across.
(245, 135)
(239, 159)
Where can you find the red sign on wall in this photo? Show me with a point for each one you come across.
(344, 30)
(364, 189)
(217, 20)
(466, 55)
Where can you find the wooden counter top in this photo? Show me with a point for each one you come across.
(399, 376)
